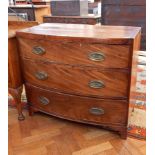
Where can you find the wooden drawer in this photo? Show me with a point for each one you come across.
(78, 80)
(78, 108)
(89, 54)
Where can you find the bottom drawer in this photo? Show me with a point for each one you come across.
(77, 107)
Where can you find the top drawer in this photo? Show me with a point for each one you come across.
(88, 54)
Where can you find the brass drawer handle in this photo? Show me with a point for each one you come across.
(43, 100)
(38, 50)
(96, 56)
(96, 111)
(41, 75)
(96, 84)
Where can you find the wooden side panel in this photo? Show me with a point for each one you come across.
(15, 79)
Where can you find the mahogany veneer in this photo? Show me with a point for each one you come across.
(70, 81)
(118, 55)
(78, 107)
(80, 72)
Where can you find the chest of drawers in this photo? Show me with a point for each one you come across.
(79, 72)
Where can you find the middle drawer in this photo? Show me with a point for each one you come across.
(77, 80)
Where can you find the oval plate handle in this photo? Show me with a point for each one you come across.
(96, 84)
(96, 111)
(41, 75)
(38, 50)
(96, 56)
(43, 100)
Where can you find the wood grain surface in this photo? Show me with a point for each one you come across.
(78, 108)
(13, 26)
(14, 72)
(86, 33)
(73, 79)
(115, 56)
(68, 84)
(44, 135)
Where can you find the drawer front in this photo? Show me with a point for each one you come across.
(101, 55)
(79, 80)
(78, 108)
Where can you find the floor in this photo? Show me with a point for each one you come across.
(46, 135)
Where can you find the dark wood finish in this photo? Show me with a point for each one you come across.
(127, 13)
(89, 19)
(126, 2)
(78, 108)
(66, 78)
(115, 56)
(69, 7)
(69, 80)
(15, 79)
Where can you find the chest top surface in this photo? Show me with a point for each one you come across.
(48, 31)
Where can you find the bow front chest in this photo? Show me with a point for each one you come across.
(79, 72)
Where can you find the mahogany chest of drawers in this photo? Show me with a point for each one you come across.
(79, 72)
